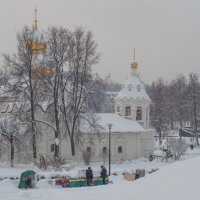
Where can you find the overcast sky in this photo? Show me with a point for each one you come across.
(165, 33)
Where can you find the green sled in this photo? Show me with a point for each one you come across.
(24, 175)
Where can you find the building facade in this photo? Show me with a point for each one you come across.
(131, 136)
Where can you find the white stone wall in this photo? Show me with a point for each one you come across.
(134, 145)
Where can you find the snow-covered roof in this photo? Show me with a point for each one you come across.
(119, 124)
(133, 89)
(188, 132)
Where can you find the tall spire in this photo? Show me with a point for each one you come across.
(35, 24)
(134, 54)
(134, 64)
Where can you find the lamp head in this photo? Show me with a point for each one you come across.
(109, 125)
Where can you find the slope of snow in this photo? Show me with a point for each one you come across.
(175, 181)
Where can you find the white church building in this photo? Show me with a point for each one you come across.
(131, 137)
(128, 127)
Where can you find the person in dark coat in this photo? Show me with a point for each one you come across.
(29, 181)
(103, 174)
(150, 157)
(89, 176)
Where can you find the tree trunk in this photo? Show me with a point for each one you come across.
(197, 140)
(34, 147)
(72, 146)
(196, 123)
(32, 118)
(56, 153)
(160, 139)
(196, 133)
(11, 151)
(57, 132)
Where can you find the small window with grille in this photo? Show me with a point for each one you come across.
(120, 150)
(52, 148)
(128, 111)
(88, 149)
(104, 149)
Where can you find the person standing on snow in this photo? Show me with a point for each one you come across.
(150, 157)
(89, 176)
(103, 174)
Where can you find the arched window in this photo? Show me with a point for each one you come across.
(130, 87)
(52, 147)
(120, 150)
(128, 111)
(104, 150)
(147, 114)
(139, 113)
(88, 150)
(138, 87)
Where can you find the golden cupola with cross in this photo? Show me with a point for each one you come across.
(38, 46)
(134, 65)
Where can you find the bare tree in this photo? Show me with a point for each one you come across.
(170, 107)
(193, 102)
(98, 101)
(23, 66)
(159, 116)
(178, 87)
(10, 132)
(79, 81)
(56, 59)
(177, 147)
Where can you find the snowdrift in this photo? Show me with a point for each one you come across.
(177, 181)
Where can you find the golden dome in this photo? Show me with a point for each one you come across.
(42, 70)
(134, 65)
(36, 43)
(37, 46)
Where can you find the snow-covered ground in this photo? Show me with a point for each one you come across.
(174, 180)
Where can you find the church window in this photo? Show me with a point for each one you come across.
(52, 147)
(139, 113)
(138, 87)
(128, 111)
(147, 113)
(120, 150)
(88, 150)
(129, 87)
(104, 150)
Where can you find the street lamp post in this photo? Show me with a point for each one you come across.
(109, 155)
